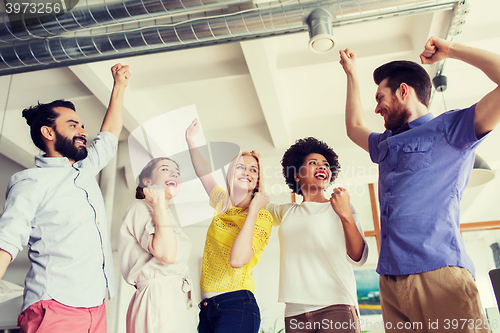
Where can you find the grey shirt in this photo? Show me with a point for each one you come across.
(57, 209)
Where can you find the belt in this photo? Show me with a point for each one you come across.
(186, 285)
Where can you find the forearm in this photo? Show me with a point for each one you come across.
(113, 120)
(200, 164)
(354, 117)
(353, 239)
(241, 251)
(487, 112)
(5, 259)
(488, 62)
(164, 243)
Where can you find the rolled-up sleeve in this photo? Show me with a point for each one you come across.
(101, 151)
(373, 141)
(460, 128)
(19, 211)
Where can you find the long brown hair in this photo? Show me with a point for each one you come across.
(146, 172)
(229, 201)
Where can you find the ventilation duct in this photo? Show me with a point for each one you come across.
(85, 16)
(171, 33)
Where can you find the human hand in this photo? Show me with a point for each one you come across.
(259, 201)
(340, 201)
(348, 60)
(121, 74)
(193, 129)
(256, 154)
(435, 50)
(157, 194)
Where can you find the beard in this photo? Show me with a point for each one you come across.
(67, 148)
(397, 116)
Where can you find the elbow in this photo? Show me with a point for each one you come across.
(169, 260)
(356, 258)
(349, 135)
(238, 262)
(350, 132)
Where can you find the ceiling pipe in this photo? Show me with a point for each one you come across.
(320, 31)
(86, 16)
(205, 29)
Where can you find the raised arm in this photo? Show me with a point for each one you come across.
(354, 118)
(163, 243)
(113, 120)
(5, 259)
(340, 201)
(201, 166)
(487, 115)
(241, 251)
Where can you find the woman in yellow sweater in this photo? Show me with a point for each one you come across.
(236, 239)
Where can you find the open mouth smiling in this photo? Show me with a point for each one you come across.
(80, 141)
(321, 175)
(244, 179)
(172, 183)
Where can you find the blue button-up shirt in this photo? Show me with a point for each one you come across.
(422, 175)
(57, 209)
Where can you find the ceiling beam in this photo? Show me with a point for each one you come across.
(263, 73)
(13, 130)
(16, 153)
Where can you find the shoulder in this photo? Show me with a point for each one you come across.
(140, 206)
(107, 137)
(376, 137)
(456, 114)
(139, 213)
(217, 191)
(138, 210)
(216, 198)
(26, 178)
(265, 215)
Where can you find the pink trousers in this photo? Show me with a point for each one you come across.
(52, 316)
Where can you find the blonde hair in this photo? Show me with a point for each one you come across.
(229, 201)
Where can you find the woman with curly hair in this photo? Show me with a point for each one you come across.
(320, 240)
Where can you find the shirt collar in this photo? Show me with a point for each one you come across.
(42, 161)
(417, 122)
(422, 120)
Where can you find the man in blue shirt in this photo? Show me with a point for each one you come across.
(426, 277)
(57, 209)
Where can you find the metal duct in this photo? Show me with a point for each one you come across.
(85, 16)
(98, 45)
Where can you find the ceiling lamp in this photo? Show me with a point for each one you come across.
(320, 31)
(481, 173)
(440, 83)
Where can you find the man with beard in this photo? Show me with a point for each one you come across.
(426, 276)
(57, 209)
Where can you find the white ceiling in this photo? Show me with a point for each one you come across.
(263, 94)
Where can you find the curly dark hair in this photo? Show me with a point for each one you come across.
(294, 158)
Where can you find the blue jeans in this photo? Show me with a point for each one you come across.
(231, 312)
